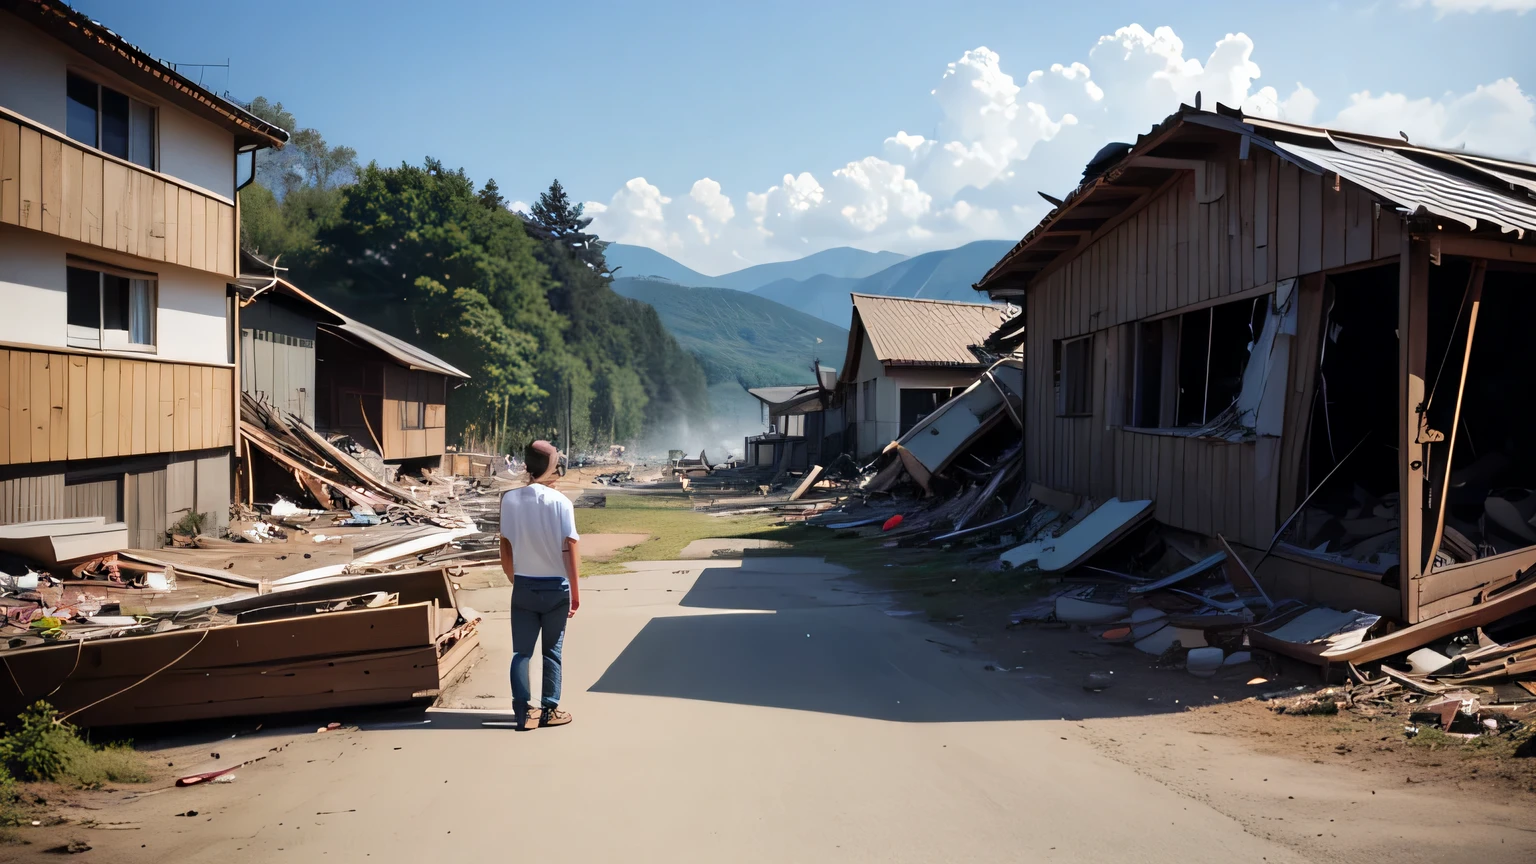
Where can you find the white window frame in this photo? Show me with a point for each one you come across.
(103, 339)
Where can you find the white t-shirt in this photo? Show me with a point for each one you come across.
(536, 520)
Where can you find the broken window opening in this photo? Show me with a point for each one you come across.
(1490, 503)
(1354, 519)
(1074, 376)
(1189, 367)
(917, 403)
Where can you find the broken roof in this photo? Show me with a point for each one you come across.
(912, 332)
(1495, 196)
(94, 40)
(250, 285)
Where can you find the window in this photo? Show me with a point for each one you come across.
(867, 398)
(108, 309)
(1189, 367)
(1074, 377)
(919, 403)
(413, 415)
(111, 122)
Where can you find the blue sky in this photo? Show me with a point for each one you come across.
(744, 94)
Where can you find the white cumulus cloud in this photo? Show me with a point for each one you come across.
(1000, 137)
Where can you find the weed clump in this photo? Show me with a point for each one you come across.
(37, 749)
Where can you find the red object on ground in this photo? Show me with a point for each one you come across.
(891, 522)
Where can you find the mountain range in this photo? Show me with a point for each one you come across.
(739, 336)
(819, 284)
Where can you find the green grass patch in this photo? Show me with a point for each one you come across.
(35, 748)
(672, 523)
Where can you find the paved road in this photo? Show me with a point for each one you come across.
(723, 713)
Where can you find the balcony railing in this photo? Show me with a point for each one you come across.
(52, 184)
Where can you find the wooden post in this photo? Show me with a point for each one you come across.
(1412, 332)
(1475, 296)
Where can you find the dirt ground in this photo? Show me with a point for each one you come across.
(1149, 702)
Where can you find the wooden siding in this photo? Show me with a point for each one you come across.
(277, 358)
(50, 496)
(406, 386)
(148, 494)
(51, 184)
(1254, 222)
(57, 406)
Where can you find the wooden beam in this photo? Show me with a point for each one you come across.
(1412, 324)
(1482, 247)
(1475, 298)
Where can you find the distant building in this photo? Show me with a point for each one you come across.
(796, 416)
(339, 374)
(905, 358)
(118, 232)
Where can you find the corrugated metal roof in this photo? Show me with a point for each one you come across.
(401, 351)
(1477, 191)
(907, 331)
(1418, 184)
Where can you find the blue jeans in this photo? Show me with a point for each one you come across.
(539, 607)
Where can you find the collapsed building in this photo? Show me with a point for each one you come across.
(1296, 338)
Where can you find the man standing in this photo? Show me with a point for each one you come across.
(539, 554)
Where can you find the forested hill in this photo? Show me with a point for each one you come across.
(524, 307)
(739, 336)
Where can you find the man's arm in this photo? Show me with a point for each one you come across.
(506, 557)
(573, 572)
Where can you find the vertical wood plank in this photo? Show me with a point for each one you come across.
(10, 172)
(113, 177)
(38, 417)
(58, 407)
(138, 213)
(195, 403)
(181, 425)
(172, 224)
(1287, 221)
(185, 215)
(111, 393)
(1359, 209)
(199, 224)
(72, 192)
(157, 189)
(226, 240)
(139, 437)
(224, 393)
(92, 189)
(1261, 199)
(1310, 219)
(167, 414)
(1246, 210)
(211, 409)
(94, 371)
(77, 409)
(5, 422)
(124, 423)
(1335, 224)
(53, 184)
(151, 407)
(211, 236)
(31, 179)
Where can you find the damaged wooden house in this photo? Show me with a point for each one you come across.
(906, 357)
(1301, 339)
(339, 375)
(118, 233)
(797, 417)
